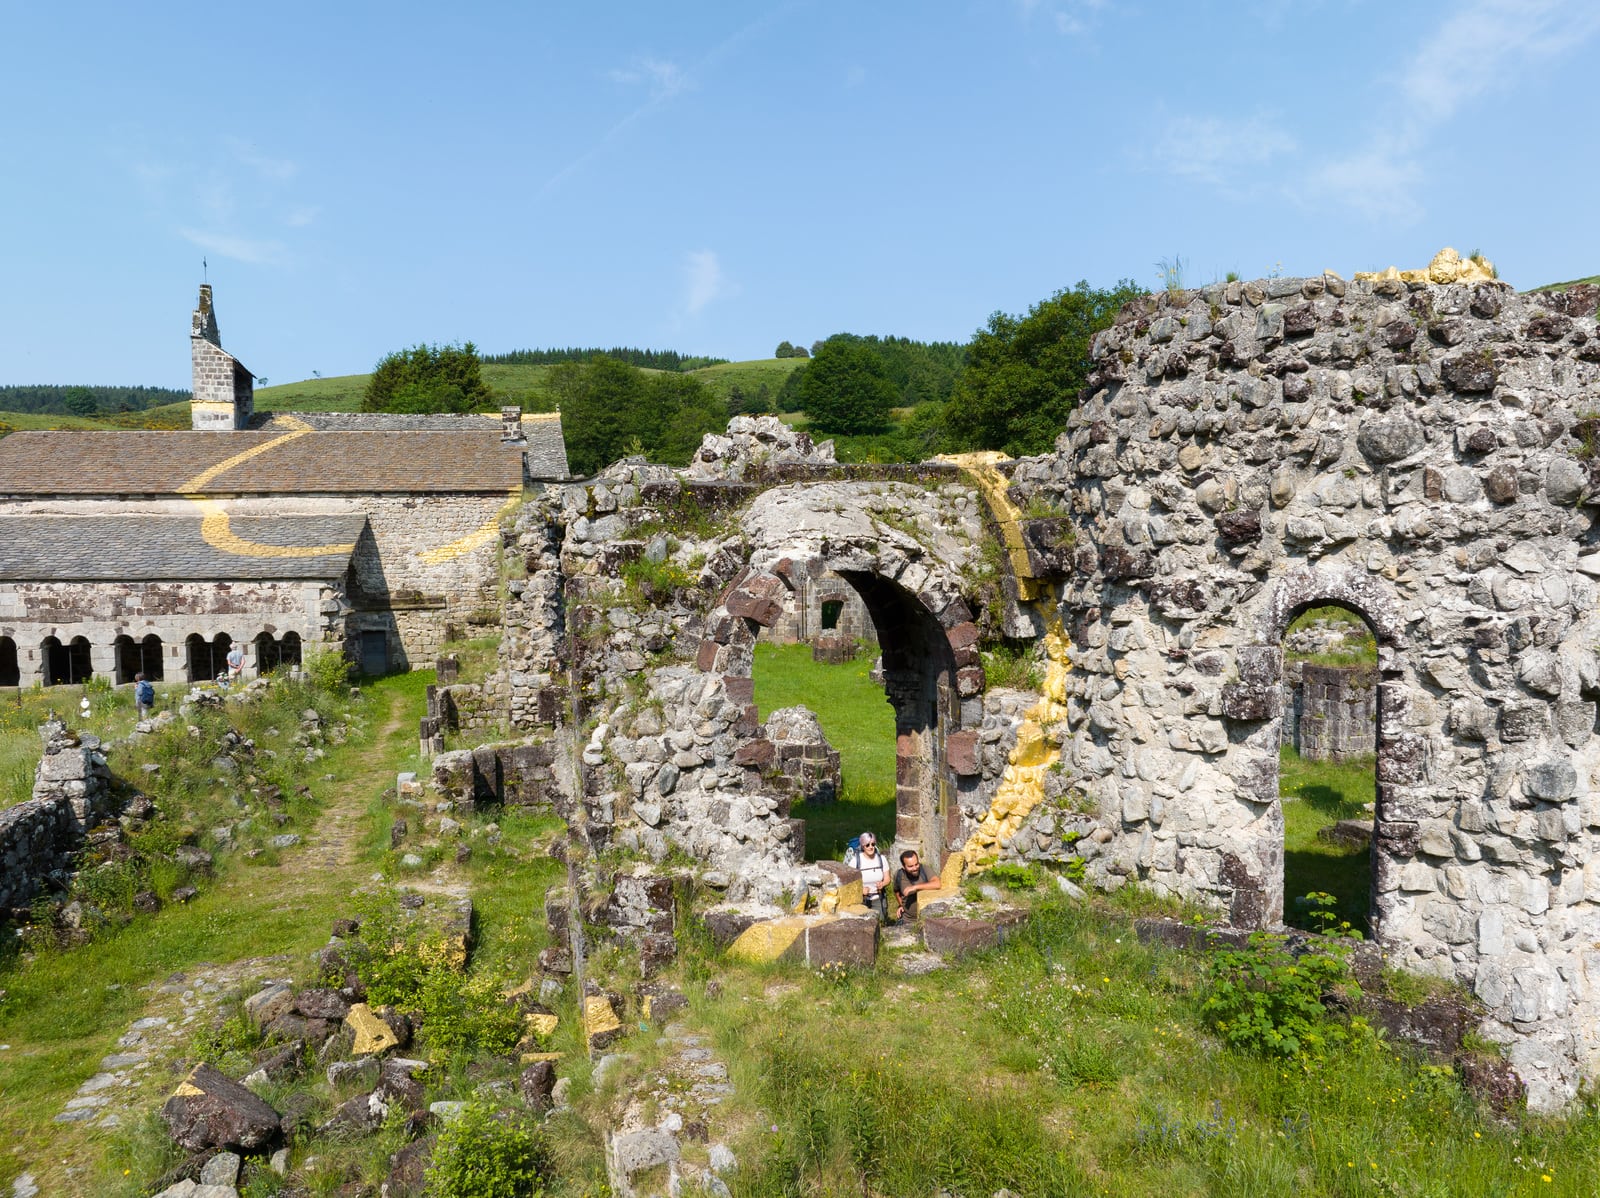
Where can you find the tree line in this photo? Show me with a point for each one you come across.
(86, 401)
(645, 359)
(1010, 388)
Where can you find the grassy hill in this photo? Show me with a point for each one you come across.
(524, 385)
(1568, 283)
(748, 376)
(172, 415)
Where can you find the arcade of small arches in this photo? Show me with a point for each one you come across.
(63, 662)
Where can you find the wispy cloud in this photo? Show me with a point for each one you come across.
(1071, 18)
(1220, 151)
(663, 78)
(274, 170)
(1481, 47)
(704, 281)
(665, 81)
(241, 249)
(301, 216)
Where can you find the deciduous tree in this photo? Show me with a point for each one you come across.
(1024, 373)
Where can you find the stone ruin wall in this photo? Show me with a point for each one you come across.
(1424, 455)
(679, 756)
(1330, 713)
(40, 837)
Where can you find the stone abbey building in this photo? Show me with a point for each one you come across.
(156, 551)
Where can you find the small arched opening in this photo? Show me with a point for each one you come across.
(1327, 776)
(206, 659)
(267, 653)
(80, 665)
(53, 661)
(151, 658)
(10, 669)
(289, 650)
(124, 660)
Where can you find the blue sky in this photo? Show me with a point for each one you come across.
(717, 177)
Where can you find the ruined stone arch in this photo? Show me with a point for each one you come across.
(926, 633)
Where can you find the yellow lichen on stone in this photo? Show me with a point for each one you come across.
(849, 895)
(373, 1035)
(528, 1058)
(598, 1016)
(542, 1023)
(1447, 267)
(770, 939)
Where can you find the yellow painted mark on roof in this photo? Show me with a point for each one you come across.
(202, 480)
(216, 531)
(476, 539)
(215, 527)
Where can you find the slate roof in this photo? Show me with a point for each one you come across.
(545, 448)
(161, 463)
(144, 548)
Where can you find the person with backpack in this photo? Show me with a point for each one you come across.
(144, 696)
(875, 879)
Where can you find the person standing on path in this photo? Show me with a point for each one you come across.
(144, 697)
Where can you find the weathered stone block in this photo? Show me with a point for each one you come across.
(851, 941)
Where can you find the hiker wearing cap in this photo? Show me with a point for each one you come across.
(875, 877)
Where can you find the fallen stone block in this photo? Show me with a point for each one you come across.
(373, 1035)
(955, 935)
(209, 1110)
(851, 942)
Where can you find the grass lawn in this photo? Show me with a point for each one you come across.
(1075, 1060)
(1316, 794)
(857, 720)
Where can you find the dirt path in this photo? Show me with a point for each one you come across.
(336, 842)
(141, 1059)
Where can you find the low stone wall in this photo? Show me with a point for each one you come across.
(39, 838)
(516, 775)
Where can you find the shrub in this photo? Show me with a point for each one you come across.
(1265, 999)
(1014, 877)
(484, 1155)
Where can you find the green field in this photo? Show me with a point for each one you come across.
(1316, 794)
(1568, 283)
(857, 720)
(524, 385)
(748, 376)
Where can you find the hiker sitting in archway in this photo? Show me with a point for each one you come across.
(909, 881)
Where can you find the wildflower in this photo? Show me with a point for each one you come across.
(1545, 1177)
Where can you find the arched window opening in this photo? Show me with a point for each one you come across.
(10, 670)
(125, 660)
(53, 659)
(289, 649)
(80, 666)
(150, 658)
(206, 659)
(267, 653)
(1327, 776)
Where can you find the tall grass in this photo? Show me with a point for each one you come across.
(1317, 794)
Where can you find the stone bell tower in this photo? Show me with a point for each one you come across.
(224, 391)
